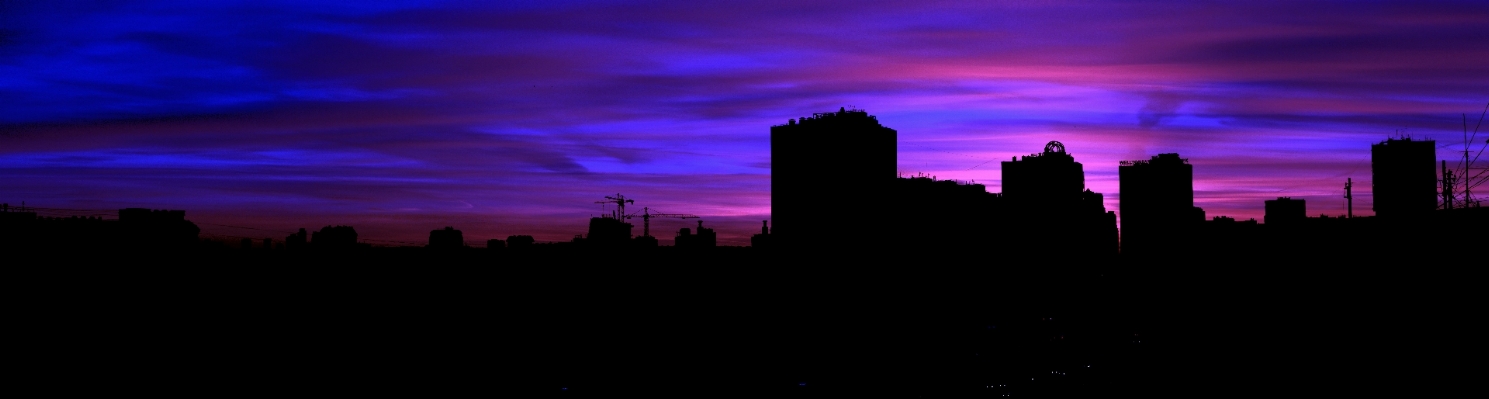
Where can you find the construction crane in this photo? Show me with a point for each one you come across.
(620, 202)
(646, 216)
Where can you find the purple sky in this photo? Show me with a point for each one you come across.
(509, 119)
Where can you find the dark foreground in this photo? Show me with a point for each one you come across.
(410, 322)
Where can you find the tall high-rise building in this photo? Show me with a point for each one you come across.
(1403, 177)
(1157, 204)
(1048, 200)
(824, 170)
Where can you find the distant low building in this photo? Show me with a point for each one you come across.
(705, 238)
(137, 229)
(519, 242)
(447, 238)
(762, 240)
(608, 232)
(296, 241)
(1285, 210)
(148, 228)
(334, 237)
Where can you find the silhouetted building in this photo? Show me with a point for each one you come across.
(706, 238)
(1403, 177)
(762, 240)
(1098, 226)
(146, 228)
(1051, 179)
(1044, 210)
(137, 229)
(608, 232)
(1225, 235)
(446, 238)
(519, 242)
(75, 231)
(1053, 209)
(1157, 204)
(14, 215)
(16, 226)
(817, 161)
(297, 240)
(1285, 211)
(941, 216)
(334, 237)
(496, 244)
(144, 215)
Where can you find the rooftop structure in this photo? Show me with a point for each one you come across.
(1050, 179)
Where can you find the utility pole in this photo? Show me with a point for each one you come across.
(1349, 182)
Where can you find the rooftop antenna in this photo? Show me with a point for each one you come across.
(1463, 175)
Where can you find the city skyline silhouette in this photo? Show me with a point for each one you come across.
(681, 199)
(1402, 169)
(401, 118)
(1054, 310)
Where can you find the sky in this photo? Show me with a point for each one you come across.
(515, 117)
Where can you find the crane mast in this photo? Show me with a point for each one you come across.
(619, 213)
(620, 202)
(646, 216)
